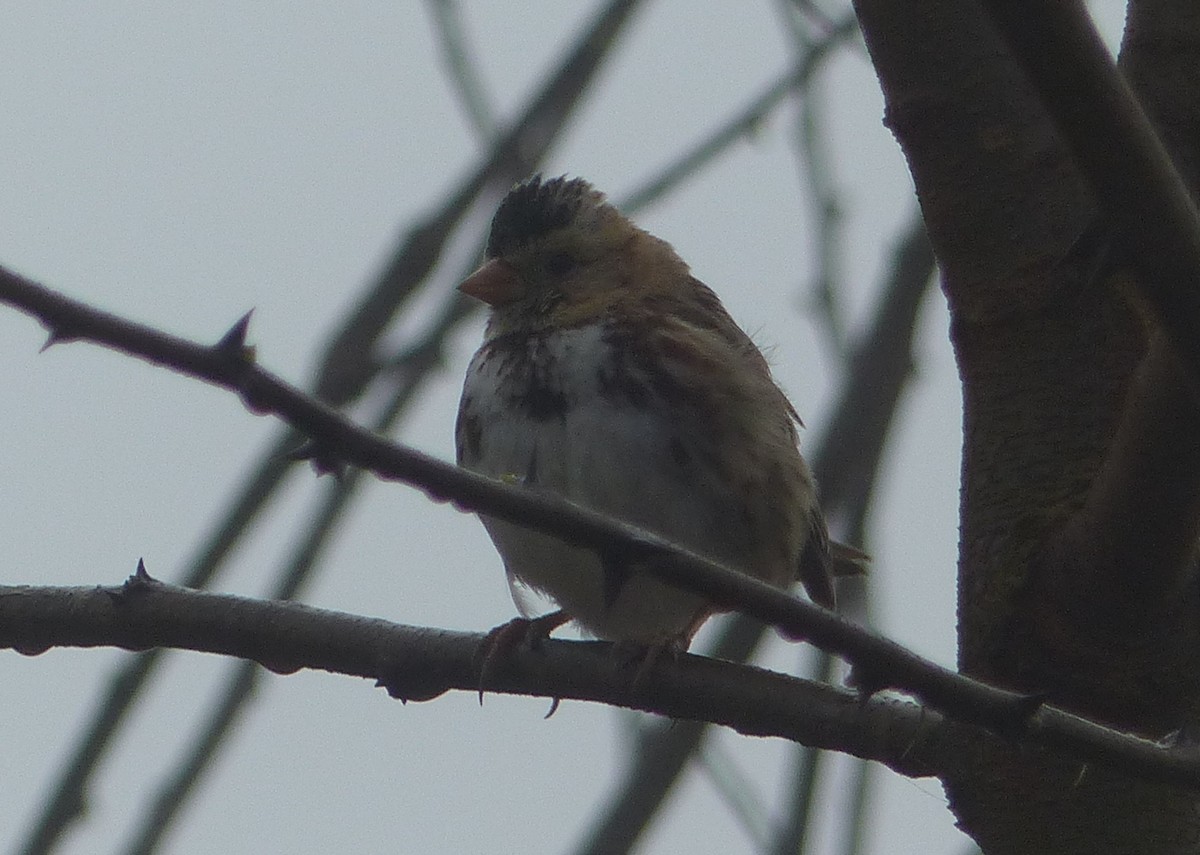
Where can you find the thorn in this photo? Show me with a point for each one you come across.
(234, 341)
(306, 450)
(318, 456)
(1186, 737)
(402, 687)
(139, 581)
(328, 465)
(554, 702)
(55, 336)
(502, 641)
(1024, 708)
(1028, 705)
(392, 690)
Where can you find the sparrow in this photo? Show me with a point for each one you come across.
(611, 376)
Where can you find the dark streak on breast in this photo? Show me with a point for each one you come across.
(528, 377)
(618, 385)
(541, 402)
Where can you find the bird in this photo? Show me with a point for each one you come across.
(611, 376)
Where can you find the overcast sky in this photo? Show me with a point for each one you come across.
(182, 163)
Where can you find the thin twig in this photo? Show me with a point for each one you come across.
(742, 123)
(659, 760)
(827, 213)
(854, 825)
(816, 168)
(461, 68)
(808, 763)
(350, 360)
(242, 684)
(738, 791)
(291, 582)
(244, 676)
(884, 360)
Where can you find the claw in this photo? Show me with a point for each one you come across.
(507, 637)
(645, 657)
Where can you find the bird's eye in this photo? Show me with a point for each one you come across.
(560, 263)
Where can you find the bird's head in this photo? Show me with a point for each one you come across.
(559, 255)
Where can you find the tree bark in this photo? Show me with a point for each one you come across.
(1080, 435)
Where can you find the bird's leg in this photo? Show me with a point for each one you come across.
(644, 657)
(507, 637)
(647, 656)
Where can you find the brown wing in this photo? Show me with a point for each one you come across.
(816, 564)
(698, 306)
(710, 312)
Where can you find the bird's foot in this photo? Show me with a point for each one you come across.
(644, 658)
(504, 639)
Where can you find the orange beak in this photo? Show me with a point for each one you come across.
(495, 283)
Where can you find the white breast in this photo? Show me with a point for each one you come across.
(629, 456)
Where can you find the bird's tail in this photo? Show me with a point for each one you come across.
(847, 560)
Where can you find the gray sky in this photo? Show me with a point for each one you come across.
(182, 163)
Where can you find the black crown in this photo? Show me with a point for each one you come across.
(535, 208)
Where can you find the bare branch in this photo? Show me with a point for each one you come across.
(1046, 362)
(408, 371)
(881, 663)
(1120, 156)
(419, 663)
(1151, 472)
(816, 170)
(349, 360)
(239, 689)
(461, 67)
(742, 122)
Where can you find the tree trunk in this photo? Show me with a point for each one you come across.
(1079, 479)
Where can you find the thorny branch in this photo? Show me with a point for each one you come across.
(420, 663)
(879, 663)
(408, 370)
